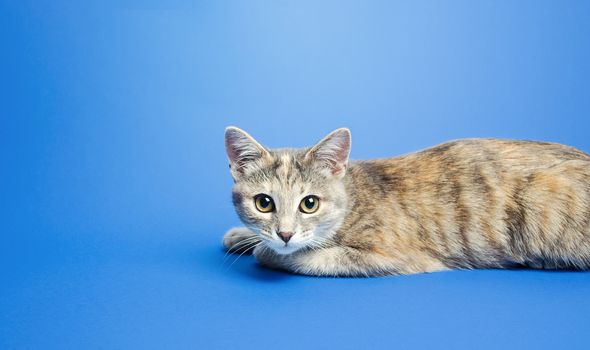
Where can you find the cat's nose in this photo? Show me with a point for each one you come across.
(285, 236)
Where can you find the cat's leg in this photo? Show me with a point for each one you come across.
(240, 240)
(342, 261)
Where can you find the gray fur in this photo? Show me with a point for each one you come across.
(472, 203)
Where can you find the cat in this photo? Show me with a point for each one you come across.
(465, 204)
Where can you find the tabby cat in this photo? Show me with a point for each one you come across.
(472, 203)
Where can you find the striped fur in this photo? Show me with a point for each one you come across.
(473, 203)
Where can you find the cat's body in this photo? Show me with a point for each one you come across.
(474, 203)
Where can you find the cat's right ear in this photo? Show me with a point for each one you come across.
(331, 153)
(242, 150)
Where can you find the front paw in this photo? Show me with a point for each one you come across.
(240, 240)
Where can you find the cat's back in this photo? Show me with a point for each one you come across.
(471, 157)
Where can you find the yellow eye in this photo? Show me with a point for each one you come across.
(309, 204)
(264, 203)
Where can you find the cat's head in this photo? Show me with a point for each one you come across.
(292, 198)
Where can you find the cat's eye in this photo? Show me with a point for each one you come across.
(264, 203)
(309, 204)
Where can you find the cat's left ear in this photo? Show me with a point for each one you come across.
(242, 150)
(331, 153)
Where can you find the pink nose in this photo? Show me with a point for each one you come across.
(285, 236)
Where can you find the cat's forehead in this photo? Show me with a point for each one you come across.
(286, 163)
(284, 166)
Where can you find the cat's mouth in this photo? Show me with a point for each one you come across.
(297, 242)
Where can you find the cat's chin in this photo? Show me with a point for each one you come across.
(286, 249)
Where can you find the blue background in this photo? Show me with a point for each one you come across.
(115, 190)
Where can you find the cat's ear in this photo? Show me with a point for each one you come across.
(331, 153)
(242, 150)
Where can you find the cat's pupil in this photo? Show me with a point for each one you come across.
(309, 203)
(264, 202)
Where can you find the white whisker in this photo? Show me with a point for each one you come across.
(239, 245)
(247, 249)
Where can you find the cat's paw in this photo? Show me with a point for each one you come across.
(240, 239)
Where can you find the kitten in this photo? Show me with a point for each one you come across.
(473, 203)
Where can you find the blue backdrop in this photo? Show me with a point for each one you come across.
(115, 190)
